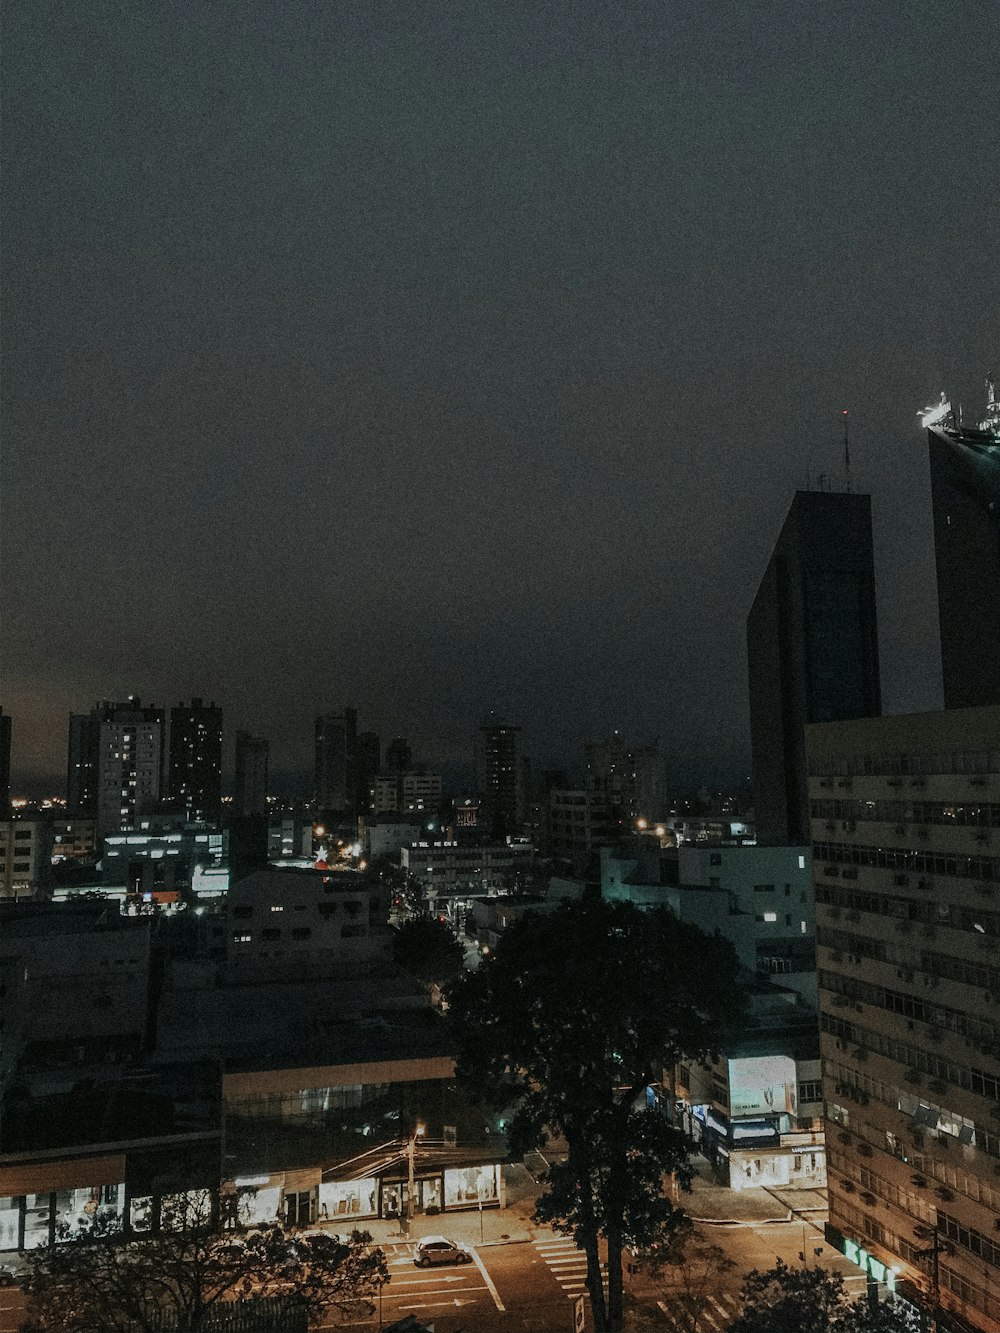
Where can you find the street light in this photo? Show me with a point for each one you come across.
(411, 1152)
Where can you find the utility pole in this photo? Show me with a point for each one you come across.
(411, 1153)
(847, 450)
(933, 1252)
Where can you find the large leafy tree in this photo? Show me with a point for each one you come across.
(427, 948)
(569, 1020)
(812, 1300)
(102, 1281)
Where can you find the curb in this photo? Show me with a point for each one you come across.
(741, 1221)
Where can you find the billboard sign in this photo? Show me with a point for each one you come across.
(763, 1085)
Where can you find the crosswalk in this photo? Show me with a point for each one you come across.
(566, 1263)
(720, 1309)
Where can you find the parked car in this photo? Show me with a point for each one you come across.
(439, 1250)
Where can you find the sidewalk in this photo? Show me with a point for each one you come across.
(492, 1226)
(714, 1203)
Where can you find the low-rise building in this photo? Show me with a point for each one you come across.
(459, 870)
(756, 1112)
(25, 857)
(308, 922)
(161, 857)
(74, 838)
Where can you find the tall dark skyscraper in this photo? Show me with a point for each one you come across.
(81, 772)
(195, 774)
(812, 649)
(398, 755)
(250, 775)
(501, 774)
(5, 730)
(965, 496)
(336, 761)
(368, 756)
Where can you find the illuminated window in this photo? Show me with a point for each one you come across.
(770, 916)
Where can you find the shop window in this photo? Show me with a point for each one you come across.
(140, 1213)
(10, 1222)
(474, 1184)
(37, 1220)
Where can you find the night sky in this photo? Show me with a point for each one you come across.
(444, 356)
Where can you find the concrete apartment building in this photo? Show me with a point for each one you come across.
(296, 923)
(406, 793)
(25, 857)
(905, 815)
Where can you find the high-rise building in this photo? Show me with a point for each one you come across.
(629, 776)
(81, 772)
(906, 861)
(965, 497)
(501, 774)
(812, 649)
(398, 756)
(195, 774)
(336, 761)
(4, 764)
(250, 775)
(115, 763)
(368, 755)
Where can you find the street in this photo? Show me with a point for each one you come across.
(531, 1280)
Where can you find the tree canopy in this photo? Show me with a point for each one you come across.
(568, 1021)
(812, 1300)
(103, 1281)
(427, 948)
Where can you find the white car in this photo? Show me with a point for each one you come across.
(439, 1250)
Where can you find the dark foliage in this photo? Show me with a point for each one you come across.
(570, 1019)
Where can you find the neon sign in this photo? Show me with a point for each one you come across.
(869, 1264)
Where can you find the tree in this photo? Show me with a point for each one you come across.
(427, 948)
(693, 1268)
(103, 1281)
(569, 1020)
(811, 1300)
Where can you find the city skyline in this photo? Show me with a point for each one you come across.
(433, 378)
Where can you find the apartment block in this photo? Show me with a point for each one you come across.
(905, 818)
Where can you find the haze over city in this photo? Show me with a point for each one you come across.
(445, 357)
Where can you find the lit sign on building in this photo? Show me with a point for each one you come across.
(762, 1085)
(869, 1264)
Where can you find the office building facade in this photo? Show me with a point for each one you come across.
(812, 649)
(906, 852)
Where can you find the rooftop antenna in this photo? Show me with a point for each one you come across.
(847, 449)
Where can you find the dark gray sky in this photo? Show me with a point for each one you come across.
(438, 356)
